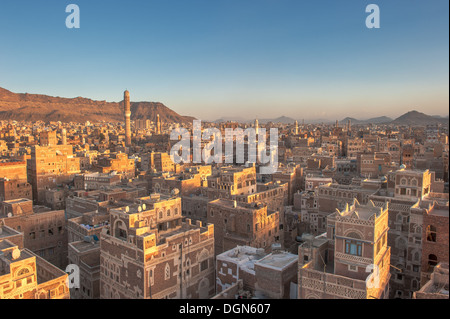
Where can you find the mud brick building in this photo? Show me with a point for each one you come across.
(243, 224)
(350, 261)
(24, 275)
(435, 239)
(44, 230)
(48, 138)
(437, 286)
(87, 225)
(49, 167)
(148, 252)
(92, 181)
(265, 275)
(86, 255)
(187, 182)
(118, 162)
(13, 181)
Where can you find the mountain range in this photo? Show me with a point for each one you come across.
(409, 118)
(35, 107)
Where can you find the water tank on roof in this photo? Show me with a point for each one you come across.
(87, 239)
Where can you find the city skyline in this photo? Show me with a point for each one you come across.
(259, 59)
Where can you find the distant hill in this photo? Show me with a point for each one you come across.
(281, 119)
(374, 120)
(418, 118)
(231, 119)
(35, 107)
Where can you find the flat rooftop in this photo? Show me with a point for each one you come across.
(83, 246)
(7, 232)
(230, 204)
(278, 261)
(18, 201)
(244, 256)
(439, 211)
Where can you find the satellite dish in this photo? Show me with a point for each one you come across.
(144, 207)
(9, 215)
(139, 209)
(127, 209)
(16, 254)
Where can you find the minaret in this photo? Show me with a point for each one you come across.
(296, 127)
(127, 113)
(64, 136)
(158, 124)
(256, 126)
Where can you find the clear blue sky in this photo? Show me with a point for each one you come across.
(211, 58)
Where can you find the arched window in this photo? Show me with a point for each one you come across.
(22, 272)
(353, 235)
(168, 213)
(431, 233)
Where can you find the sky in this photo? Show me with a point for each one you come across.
(305, 59)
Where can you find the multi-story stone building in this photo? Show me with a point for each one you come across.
(437, 286)
(148, 252)
(118, 162)
(87, 225)
(435, 239)
(188, 182)
(352, 260)
(92, 181)
(373, 164)
(23, 275)
(354, 146)
(86, 255)
(412, 183)
(264, 275)
(407, 222)
(48, 138)
(44, 230)
(50, 166)
(243, 224)
(13, 181)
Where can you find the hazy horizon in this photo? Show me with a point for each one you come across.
(213, 59)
